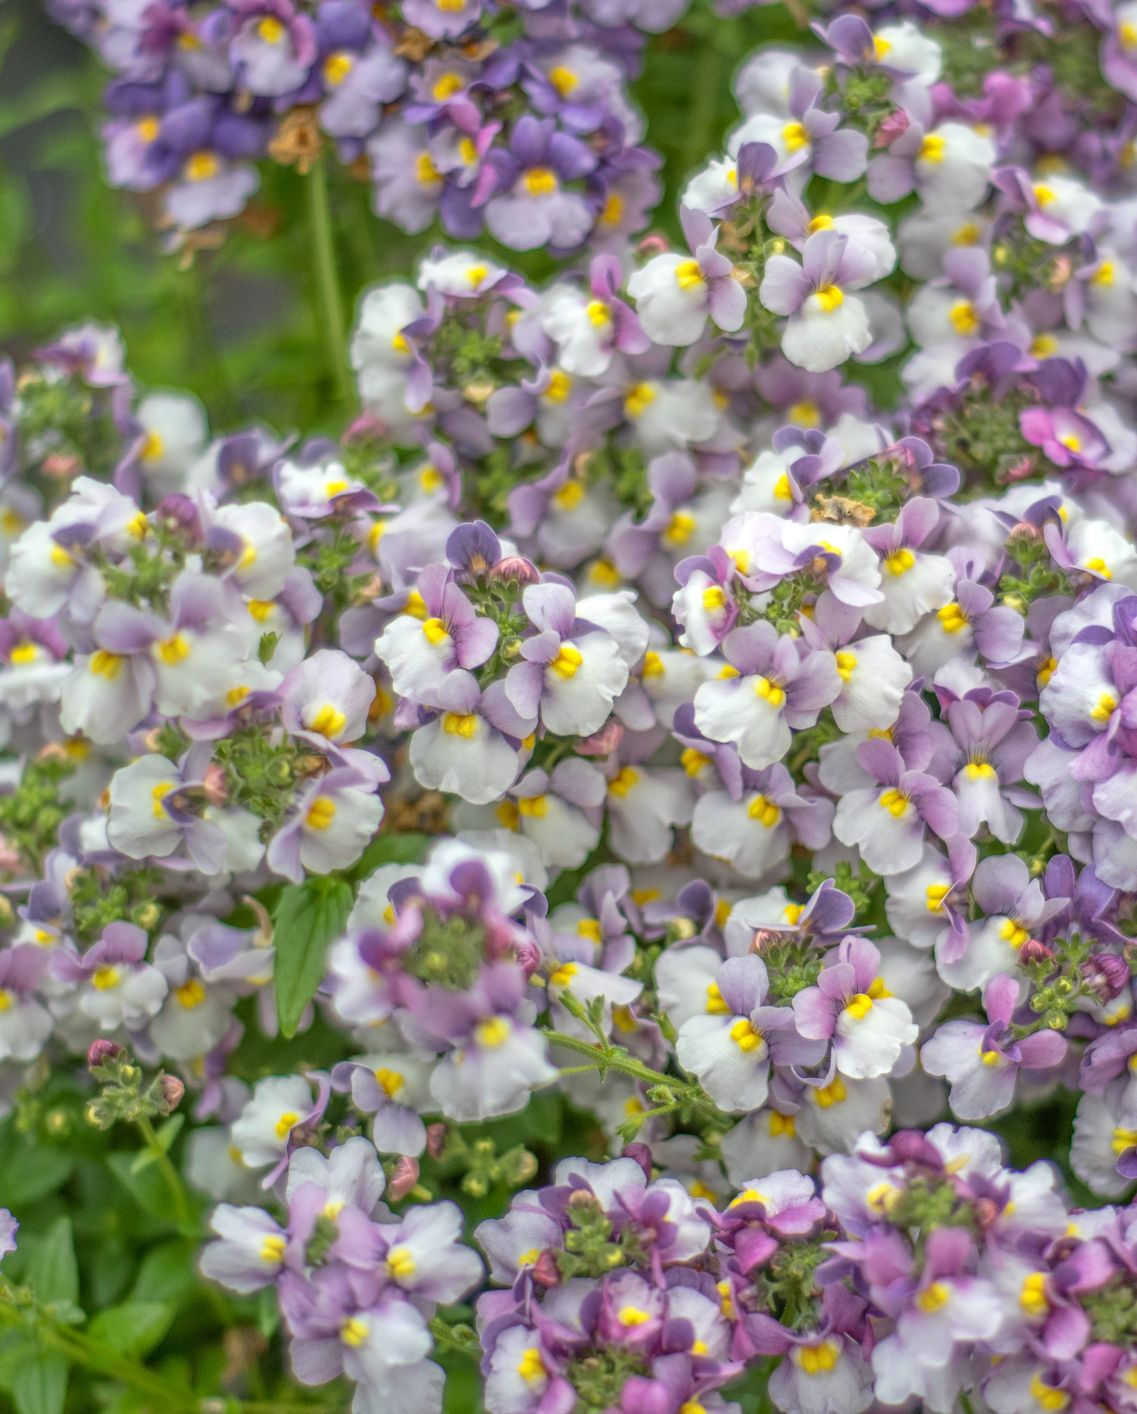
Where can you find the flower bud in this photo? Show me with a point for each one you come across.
(642, 1155)
(102, 1051)
(171, 1090)
(894, 126)
(1106, 975)
(603, 742)
(403, 1178)
(544, 1270)
(1035, 950)
(517, 569)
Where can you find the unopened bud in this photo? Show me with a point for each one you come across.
(436, 1139)
(544, 1270)
(215, 784)
(517, 569)
(403, 1178)
(1035, 950)
(603, 742)
(642, 1155)
(894, 126)
(171, 1090)
(102, 1051)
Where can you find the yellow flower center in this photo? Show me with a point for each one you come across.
(818, 1359)
(933, 1297)
(744, 1036)
(716, 1006)
(321, 813)
(337, 67)
(829, 298)
(531, 1367)
(1032, 1296)
(563, 80)
(401, 1263)
(460, 724)
(679, 530)
(390, 1081)
(964, 319)
(795, 137)
(285, 1124)
(540, 181)
(623, 781)
(201, 166)
(190, 994)
(895, 802)
(354, 1332)
(567, 662)
(688, 275)
(272, 1248)
(328, 721)
(764, 811)
(932, 148)
(952, 618)
(638, 399)
(106, 977)
(172, 651)
(270, 30)
(826, 1096)
(769, 691)
(493, 1032)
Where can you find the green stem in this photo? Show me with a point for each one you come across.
(327, 278)
(183, 1209)
(81, 1350)
(616, 1058)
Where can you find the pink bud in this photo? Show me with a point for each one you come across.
(101, 1051)
(1018, 471)
(366, 427)
(60, 466)
(215, 784)
(403, 1178)
(654, 245)
(9, 855)
(603, 742)
(894, 126)
(1035, 950)
(436, 1139)
(172, 1091)
(518, 569)
(642, 1155)
(544, 1270)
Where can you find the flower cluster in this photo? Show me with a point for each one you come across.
(459, 110)
(922, 1270)
(687, 709)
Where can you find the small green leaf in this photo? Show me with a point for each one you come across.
(40, 1386)
(307, 918)
(167, 1273)
(28, 1171)
(133, 1328)
(54, 1272)
(166, 1136)
(391, 849)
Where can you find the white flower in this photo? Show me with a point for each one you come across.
(261, 1131)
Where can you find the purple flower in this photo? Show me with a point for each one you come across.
(982, 1062)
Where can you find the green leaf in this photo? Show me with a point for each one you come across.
(391, 849)
(307, 918)
(28, 1171)
(147, 1188)
(166, 1136)
(54, 1272)
(133, 1328)
(167, 1273)
(40, 1387)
